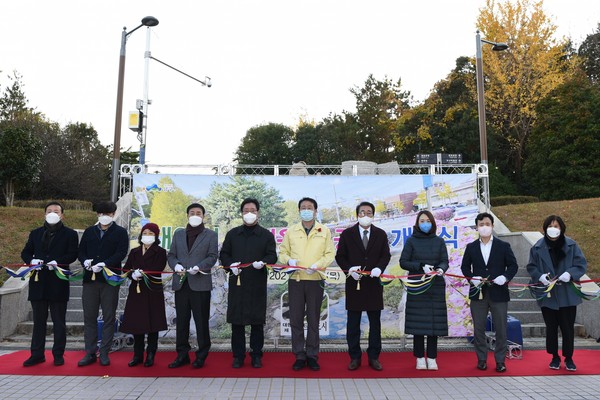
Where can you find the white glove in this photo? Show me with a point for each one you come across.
(36, 261)
(179, 268)
(292, 262)
(98, 267)
(136, 275)
(375, 272)
(439, 271)
(544, 279)
(565, 277)
(87, 264)
(476, 280)
(427, 268)
(312, 269)
(258, 264)
(194, 270)
(235, 270)
(52, 264)
(353, 272)
(500, 280)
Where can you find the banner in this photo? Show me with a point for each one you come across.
(163, 199)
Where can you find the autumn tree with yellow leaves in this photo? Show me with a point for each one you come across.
(517, 79)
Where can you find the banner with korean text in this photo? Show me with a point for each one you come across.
(163, 199)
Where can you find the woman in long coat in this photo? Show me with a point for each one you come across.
(426, 314)
(145, 306)
(556, 256)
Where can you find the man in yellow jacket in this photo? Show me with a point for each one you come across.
(309, 245)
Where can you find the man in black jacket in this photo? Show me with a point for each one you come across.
(247, 303)
(494, 260)
(49, 247)
(103, 245)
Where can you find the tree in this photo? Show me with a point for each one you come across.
(589, 51)
(75, 164)
(564, 147)
(13, 103)
(516, 80)
(224, 199)
(266, 145)
(330, 142)
(379, 105)
(447, 120)
(168, 207)
(20, 155)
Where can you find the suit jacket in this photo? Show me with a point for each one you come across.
(111, 249)
(502, 261)
(351, 252)
(63, 250)
(204, 253)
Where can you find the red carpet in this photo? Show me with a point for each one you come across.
(333, 365)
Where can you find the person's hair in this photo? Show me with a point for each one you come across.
(248, 201)
(483, 215)
(302, 200)
(556, 218)
(431, 219)
(365, 203)
(195, 205)
(55, 203)
(105, 207)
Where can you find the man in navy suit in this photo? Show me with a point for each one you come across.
(490, 264)
(363, 247)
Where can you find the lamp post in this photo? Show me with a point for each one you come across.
(481, 110)
(114, 182)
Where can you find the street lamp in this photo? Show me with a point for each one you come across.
(481, 110)
(114, 183)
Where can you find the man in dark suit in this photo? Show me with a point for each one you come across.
(490, 264)
(103, 245)
(193, 249)
(363, 247)
(53, 245)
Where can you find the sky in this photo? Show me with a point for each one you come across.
(268, 60)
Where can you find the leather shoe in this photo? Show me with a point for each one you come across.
(375, 364)
(198, 363)
(149, 359)
(104, 360)
(237, 363)
(313, 364)
(87, 360)
(257, 362)
(59, 360)
(31, 361)
(481, 365)
(179, 362)
(354, 364)
(299, 364)
(135, 360)
(500, 367)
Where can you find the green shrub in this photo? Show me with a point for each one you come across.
(505, 200)
(67, 204)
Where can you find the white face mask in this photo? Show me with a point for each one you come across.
(307, 215)
(195, 220)
(105, 219)
(365, 221)
(52, 218)
(249, 218)
(552, 232)
(148, 239)
(485, 231)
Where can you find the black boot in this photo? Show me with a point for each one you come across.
(149, 359)
(137, 359)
